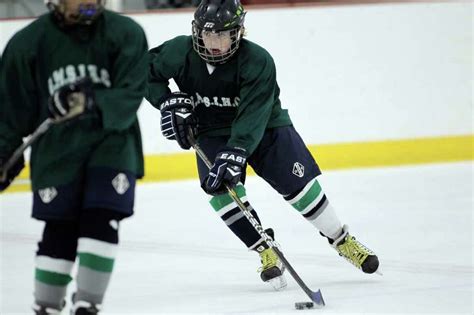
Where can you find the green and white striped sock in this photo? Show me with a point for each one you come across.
(226, 207)
(96, 262)
(234, 218)
(312, 203)
(52, 275)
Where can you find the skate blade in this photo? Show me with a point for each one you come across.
(278, 283)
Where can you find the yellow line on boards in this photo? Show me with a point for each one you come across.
(167, 167)
(394, 152)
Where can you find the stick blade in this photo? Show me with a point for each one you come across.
(317, 298)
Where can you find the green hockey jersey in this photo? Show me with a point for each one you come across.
(41, 58)
(239, 98)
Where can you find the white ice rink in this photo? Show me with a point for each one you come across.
(177, 256)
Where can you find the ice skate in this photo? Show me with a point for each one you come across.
(272, 268)
(43, 310)
(355, 252)
(85, 308)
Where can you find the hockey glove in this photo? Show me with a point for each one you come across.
(228, 168)
(71, 100)
(6, 178)
(177, 118)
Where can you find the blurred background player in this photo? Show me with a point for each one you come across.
(79, 58)
(229, 94)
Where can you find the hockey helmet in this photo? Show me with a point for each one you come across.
(218, 27)
(76, 11)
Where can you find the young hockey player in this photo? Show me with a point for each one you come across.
(81, 66)
(229, 93)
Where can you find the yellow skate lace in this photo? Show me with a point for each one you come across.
(269, 259)
(354, 251)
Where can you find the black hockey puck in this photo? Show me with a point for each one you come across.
(304, 305)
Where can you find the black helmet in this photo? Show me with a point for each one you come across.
(218, 17)
(87, 13)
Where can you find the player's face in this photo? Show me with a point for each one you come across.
(74, 10)
(217, 43)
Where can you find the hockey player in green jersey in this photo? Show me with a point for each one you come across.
(84, 168)
(229, 95)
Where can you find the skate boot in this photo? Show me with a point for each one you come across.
(46, 310)
(43, 310)
(272, 268)
(85, 308)
(355, 252)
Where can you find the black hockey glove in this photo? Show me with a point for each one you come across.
(6, 178)
(177, 118)
(228, 168)
(71, 100)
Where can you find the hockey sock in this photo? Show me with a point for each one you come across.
(54, 263)
(97, 248)
(312, 203)
(234, 218)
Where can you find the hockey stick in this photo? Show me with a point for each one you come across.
(77, 105)
(315, 296)
(19, 151)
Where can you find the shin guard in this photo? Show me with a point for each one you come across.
(314, 206)
(234, 218)
(97, 248)
(54, 262)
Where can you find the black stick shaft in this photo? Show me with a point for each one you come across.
(314, 296)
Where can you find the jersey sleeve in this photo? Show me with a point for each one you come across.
(19, 98)
(120, 103)
(257, 96)
(165, 62)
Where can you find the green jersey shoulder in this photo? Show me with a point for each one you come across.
(44, 56)
(121, 29)
(25, 39)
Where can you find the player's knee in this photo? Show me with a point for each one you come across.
(59, 240)
(98, 241)
(100, 224)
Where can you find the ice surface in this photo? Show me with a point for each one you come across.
(177, 256)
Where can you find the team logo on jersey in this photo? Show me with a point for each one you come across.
(48, 194)
(72, 73)
(120, 183)
(298, 169)
(221, 101)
